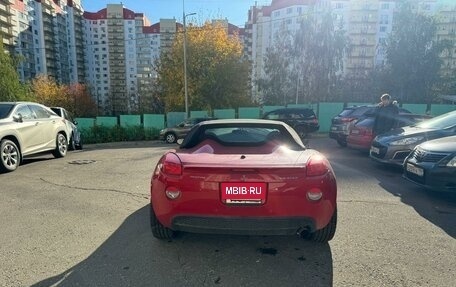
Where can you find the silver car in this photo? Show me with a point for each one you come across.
(394, 146)
(27, 129)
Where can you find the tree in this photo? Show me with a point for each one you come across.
(216, 73)
(277, 86)
(79, 102)
(11, 88)
(413, 55)
(48, 92)
(319, 50)
(306, 66)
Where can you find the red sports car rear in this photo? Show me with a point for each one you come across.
(244, 177)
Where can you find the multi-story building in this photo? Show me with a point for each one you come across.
(266, 23)
(6, 24)
(47, 35)
(446, 30)
(121, 49)
(367, 23)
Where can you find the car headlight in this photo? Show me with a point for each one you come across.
(162, 132)
(452, 162)
(407, 141)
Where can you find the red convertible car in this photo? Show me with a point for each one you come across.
(244, 177)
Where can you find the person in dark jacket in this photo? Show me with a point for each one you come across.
(385, 115)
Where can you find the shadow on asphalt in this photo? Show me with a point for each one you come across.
(132, 257)
(437, 208)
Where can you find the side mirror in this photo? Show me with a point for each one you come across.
(75, 122)
(180, 141)
(18, 118)
(181, 125)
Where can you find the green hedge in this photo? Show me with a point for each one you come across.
(103, 134)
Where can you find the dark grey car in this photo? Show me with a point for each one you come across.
(394, 146)
(171, 135)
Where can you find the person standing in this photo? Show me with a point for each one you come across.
(385, 115)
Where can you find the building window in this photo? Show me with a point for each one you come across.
(289, 10)
(384, 19)
(299, 9)
(276, 13)
(382, 28)
(385, 6)
(339, 5)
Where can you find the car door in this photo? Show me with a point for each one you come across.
(47, 126)
(27, 129)
(185, 127)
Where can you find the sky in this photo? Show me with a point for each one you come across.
(234, 10)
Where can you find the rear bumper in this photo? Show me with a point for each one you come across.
(361, 143)
(243, 225)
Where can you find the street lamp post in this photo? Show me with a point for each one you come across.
(185, 59)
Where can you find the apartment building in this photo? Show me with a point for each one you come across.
(6, 24)
(47, 36)
(367, 23)
(121, 49)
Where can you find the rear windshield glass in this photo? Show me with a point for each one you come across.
(361, 111)
(242, 135)
(346, 112)
(5, 109)
(366, 122)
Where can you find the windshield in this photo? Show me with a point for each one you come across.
(5, 109)
(441, 122)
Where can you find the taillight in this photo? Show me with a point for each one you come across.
(172, 165)
(317, 165)
(347, 120)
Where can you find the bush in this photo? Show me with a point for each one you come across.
(102, 134)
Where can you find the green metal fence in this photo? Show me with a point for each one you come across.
(324, 111)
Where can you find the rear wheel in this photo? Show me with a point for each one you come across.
(327, 233)
(71, 145)
(10, 156)
(342, 143)
(61, 146)
(302, 132)
(170, 138)
(158, 230)
(79, 145)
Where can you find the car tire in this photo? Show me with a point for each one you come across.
(61, 147)
(71, 145)
(170, 138)
(302, 131)
(79, 145)
(10, 156)
(158, 230)
(342, 143)
(327, 233)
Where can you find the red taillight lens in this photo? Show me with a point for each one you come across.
(317, 165)
(347, 120)
(172, 164)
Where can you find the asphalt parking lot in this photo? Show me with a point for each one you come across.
(83, 221)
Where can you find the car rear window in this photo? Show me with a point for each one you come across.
(346, 112)
(368, 122)
(243, 134)
(362, 111)
(5, 109)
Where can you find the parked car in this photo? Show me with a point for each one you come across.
(361, 134)
(303, 120)
(243, 176)
(28, 129)
(171, 135)
(75, 141)
(393, 147)
(432, 164)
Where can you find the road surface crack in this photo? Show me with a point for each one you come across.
(96, 189)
